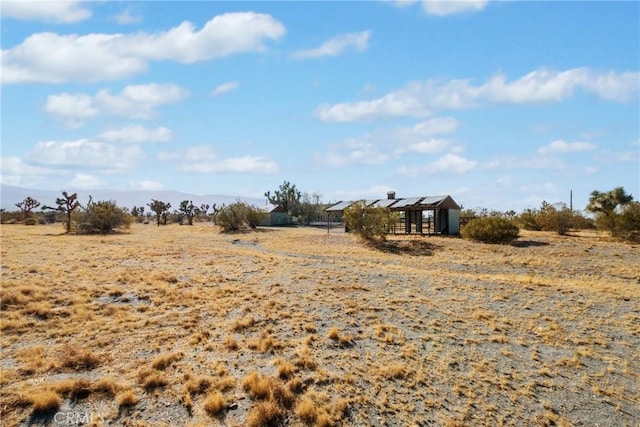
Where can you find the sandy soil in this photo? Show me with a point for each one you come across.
(183, 325)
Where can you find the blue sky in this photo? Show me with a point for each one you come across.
(500, 104)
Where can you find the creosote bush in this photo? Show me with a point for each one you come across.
(369, 223)
(237, 216)
(491, 230)
(103, 217)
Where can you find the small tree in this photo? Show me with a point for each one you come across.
(67, 204)
(26, 206)
(189, 210)
(367, 222)
(604, 205)
(160, 208)
(287, 196)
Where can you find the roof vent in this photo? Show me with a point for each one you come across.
(391, 195)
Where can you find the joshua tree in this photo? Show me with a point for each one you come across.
(160, 208)
(189, 210)
(604, 205)
(203, 209)
(67, 204)
(27, 205)
(287, 196)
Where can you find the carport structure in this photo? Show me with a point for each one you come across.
(438, 214)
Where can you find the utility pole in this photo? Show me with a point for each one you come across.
(571, 200)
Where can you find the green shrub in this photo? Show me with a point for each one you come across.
(369, 223)
(491, 230)
(237, 216)
(627, 223)
(554, 219)
(102, 217)
(30, 221)
(528, 220)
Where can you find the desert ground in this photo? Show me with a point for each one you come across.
(182, 325)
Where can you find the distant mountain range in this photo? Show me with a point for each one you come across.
(10, 195)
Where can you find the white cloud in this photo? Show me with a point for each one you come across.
(79, 106)
(449, 163)
(137, 134)
(224, 88)
(84, 181)
(146, 185)
(192, 154)
(138, 101)
(65, 12)
(14, 171)
(429, 146)
(504, 181)
(591, 170)
(246, 164)
(391, 105)
(402, 3)
(535, 162)
(450, 7)
(85, 153)
(420, 99)
(561, 147)
(126, 17)
(204, 159)
(53, 58)
(337, 45)
(377, 147)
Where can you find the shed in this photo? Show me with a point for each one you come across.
(440, 214)
(275, 215)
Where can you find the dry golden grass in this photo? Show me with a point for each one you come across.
(214, 403)
(127, 398)
(301, 327)
(45, 401)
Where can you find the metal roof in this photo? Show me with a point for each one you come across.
(385, 203)
(407, 202)
(340, 206)
(433, 200)
(424, 202)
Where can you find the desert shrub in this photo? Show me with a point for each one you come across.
(626, 224)
(30, 221)
(369, 223)
(103, 217)
(558, 219)
(491, 230)
(528, 220)
(581, 222)
(237, 216)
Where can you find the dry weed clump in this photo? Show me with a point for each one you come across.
(214, 403)
(78, 359)
(163, 362)
(150, 379)
(44, 401)
(127, 398)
